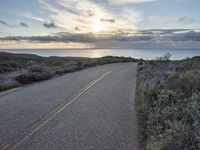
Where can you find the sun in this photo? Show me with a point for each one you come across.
(97, 27)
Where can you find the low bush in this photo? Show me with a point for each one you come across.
(168, 105)
(5, 68)
(2, 88)
(32, 77)
(188, 82)
(38, 69)
(59, 72)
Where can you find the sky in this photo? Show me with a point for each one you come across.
(169, 24)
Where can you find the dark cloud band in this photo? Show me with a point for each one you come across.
(141, 35)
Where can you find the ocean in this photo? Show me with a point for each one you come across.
(95, 53)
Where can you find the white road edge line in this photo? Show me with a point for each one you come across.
(36, 126)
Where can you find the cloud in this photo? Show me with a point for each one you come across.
(90, 13)
(84, 14)
(23, 25)
(77, 29)
(108, 20)
(122, 2)
(161, 32)
(185, 20)
(76, 38)
(155, 38)
(3, 23)
(49, 25)
(33, 17)
(140, 35)
(188, 36)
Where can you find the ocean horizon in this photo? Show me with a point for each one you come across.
(177, 54)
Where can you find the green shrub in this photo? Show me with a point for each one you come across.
(170, 76)
(59, 72)
(168, 105)
(38, 69)
(32, 77)
(171, 122)
(187, 82)
(5, 68)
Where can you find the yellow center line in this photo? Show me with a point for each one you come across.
(36, 126)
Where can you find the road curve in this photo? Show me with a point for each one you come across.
(91, 109)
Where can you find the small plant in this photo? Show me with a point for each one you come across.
(170, 76)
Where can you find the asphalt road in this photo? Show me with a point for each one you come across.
(91, 109)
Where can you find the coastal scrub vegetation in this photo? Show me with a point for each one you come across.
(168, 104)
(19, 69)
